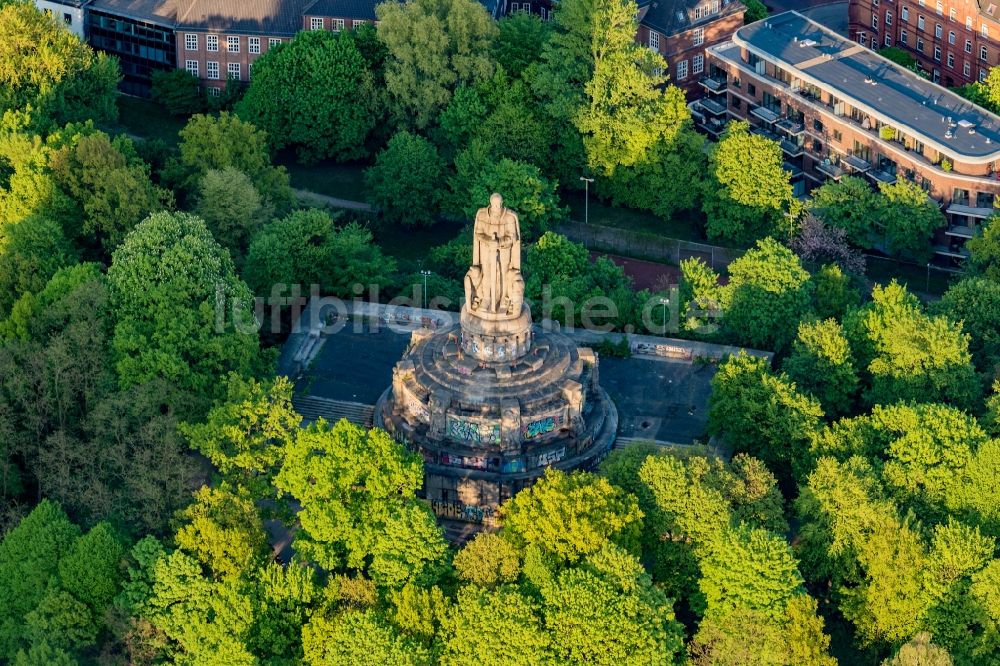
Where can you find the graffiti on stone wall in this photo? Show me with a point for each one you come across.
(549, 457)
(467, 512)
(512, 466)
(473, 432)
(540, 427)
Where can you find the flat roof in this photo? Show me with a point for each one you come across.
(866, 80)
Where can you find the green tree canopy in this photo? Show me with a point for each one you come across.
(179, 91)
(405, 181)
(520, 41)
(310, 93)
(821, 365)
(433, 46)
(908, 219)
(47, 68)
(307, 248)
(31, 251)
(232, 208)
(166, 282)
(984, 251)
(850, 204)
(975, 302)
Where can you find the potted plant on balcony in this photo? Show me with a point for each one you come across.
(945, 164)
(887, 132)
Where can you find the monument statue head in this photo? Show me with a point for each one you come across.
(496, 204)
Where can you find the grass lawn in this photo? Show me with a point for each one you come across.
(882, 271)
(341, 180)
(410, 246)
(144, 118)
(685, 226)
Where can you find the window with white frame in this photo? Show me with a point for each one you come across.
(273, 41)
(985, 31)
(951, 36)
(888, 39)
(715, 6)
(214, 92)
(699, 36)
(906, 13)
(920, 22)
(233, 44)
(903, 37)
(862, 39)
(190, 42)
(951, 60)
(920, 45)
(952, 13)
(212, 43)
(937, 53)
(682, 69)
(888, 17)
(654, 40)
(336, 25)
(356, 23)
(968, 23)
(233, 70)
(526, 7)
(966, 69)
(250, 71)
(515, 6)
(316, 23)
(875, 21)
(698, 64)
(192, 67)
(968, 46)
(253, 44)
(940, 7)
(212, 70)
(983, 74)
(937, 30)
(984, 53)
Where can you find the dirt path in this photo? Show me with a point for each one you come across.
(315, 197)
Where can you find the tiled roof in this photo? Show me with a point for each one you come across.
(270, 17)
(355, 9)
(156, 11)
(671, 17)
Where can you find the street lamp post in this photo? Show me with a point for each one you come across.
(664, 302)
(424, 298)
(586, 198)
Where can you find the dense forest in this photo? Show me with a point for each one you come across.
(149, 456)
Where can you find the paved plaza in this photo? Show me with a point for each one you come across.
(659, 399)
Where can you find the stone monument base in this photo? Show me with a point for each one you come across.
(496, 338)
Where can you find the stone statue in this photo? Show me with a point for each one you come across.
(494, 285)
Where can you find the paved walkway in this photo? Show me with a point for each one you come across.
(316, 197)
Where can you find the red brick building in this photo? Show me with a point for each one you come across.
(681, 31)
(954, 41)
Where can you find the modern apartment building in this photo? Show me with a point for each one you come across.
(71, 12)
(839, 108)
(682, 30)
(954, 41)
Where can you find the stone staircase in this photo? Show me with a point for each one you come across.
(312, 408)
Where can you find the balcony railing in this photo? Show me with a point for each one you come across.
(855, 163)
(790, 127)
(712, 106)
(829, 170)
(960, 231)
(765, 114)
(791, 148)
(713, 85)
(970, 211)
(882, 176)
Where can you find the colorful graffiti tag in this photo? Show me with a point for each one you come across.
(550, 457)
(466, 512)
(540, 427)
(473, 432)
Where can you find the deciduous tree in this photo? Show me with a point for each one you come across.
(405, 181)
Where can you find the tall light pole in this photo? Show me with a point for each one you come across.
(664, 302)
(424, 299)
(586, 198)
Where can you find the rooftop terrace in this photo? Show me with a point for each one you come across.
(873, 84)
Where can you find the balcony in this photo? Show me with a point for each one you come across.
(792, 169)
(955, 253)
(765, 114)
(880, 176)
(713, 85)
(712, 126)
(791, 148)
(830, 171)
(960, 231)
(790, 127)
(969, 211)
(855, 163)
(712, 107)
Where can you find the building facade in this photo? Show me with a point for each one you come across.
(954, 41)
(837, 108)
(682, 30)
(70, 12)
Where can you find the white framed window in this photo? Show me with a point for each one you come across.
(250, 71)
(233, 44)
(937, 30)
(985, 31)
(357, 23)
(903, 37)
(983, 74)
(905, 13)
(212, 70)
(699, 36)
(212, 43)
(515, 6)
(951, 60)
(214, 92)
(952, 13)
(715, 6)
(526, 7)
(984, 53)
(968, 23)
(698, 64)
(951, 36)
(253, 45)
(316, 23)
(654, 40)
(888, 17)
(233, 70)
(336, 25)
(937, 53)
(682, 69)
(940, 7)
(875, 21)
(862, 39)
(191, 66)
(874, 41)
(888, 39)
(920, 22)
(968, 46)
(966, 69)
(190, 42)
(273, 41)
(920, 45)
